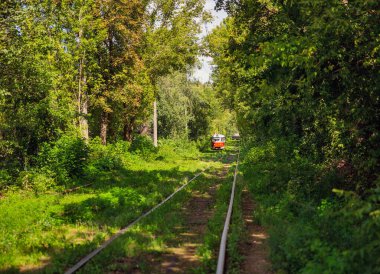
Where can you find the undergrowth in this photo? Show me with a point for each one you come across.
(137, 249)
(314, 227)
(44, 228)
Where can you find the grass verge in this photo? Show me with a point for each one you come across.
(48, 232)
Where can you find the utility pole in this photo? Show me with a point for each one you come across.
(155, 122)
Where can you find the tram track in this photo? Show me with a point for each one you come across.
(92, 254)
(223, 241)
(122, 231)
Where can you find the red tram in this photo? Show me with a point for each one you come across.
(218, 141)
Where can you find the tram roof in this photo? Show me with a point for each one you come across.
(218, 135)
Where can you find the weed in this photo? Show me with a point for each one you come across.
(51, 230)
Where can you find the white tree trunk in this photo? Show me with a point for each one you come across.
(155, 123)
(103, 127)
(83, 122)
(82, 88)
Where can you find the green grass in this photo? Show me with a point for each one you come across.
(137, 248)
(210, 247)
(150, 237)
(236, 231)
(312, 227)
(48, 232)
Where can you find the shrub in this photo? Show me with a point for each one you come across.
(177, 147)
(203, 144)
(106, 158)
(311, 229)
(36, 180)
(66, 158)
(11, 157)
(166, 150)
(5, 179)
(143, 146)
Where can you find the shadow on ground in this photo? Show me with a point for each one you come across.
(120, 197)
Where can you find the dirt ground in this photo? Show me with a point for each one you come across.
(197, 212)
(255, 248)
(180, 256)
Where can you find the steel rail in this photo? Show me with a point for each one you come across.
(223, 240)
(86, 259)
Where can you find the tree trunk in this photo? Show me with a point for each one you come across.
(144, 129)
(82, 89)
(103, 127)
(187, 124)
(155, 123)
(83, 122)
(128, 130)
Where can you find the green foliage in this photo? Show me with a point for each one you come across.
(37, 180)
(43, 221)
(106, 158)
(66, 158)
(169, 149)
(303, 80)
(171, 36)
(311, 230)
(88, 67)
(5, 178)
(24, 222)
(333, 237)
(142, 145)
(174, 106)
(203, 144)
(192, 110)
(292, 73)
(106, 205)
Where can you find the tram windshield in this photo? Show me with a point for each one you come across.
(218, 139)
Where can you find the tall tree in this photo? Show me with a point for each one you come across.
(304, 76)
(307, 71)
(171, 39)
(120, 66)
(82, 28)
(28, 51)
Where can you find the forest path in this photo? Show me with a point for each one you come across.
(180, 254)
(255, 247)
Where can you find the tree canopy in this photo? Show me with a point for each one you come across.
(88, 67)
(308, 71)
(303, 77)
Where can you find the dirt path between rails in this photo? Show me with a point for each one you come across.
(183, 256)
(180, 256)
(255, 248)
(197, 212)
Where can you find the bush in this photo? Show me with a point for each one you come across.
(66, 158)
(143, 146)
(166, 150)
(106, 158)
(311, 229)
(36, 180)
(5, 179)
(11, 158)
(203, 144)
